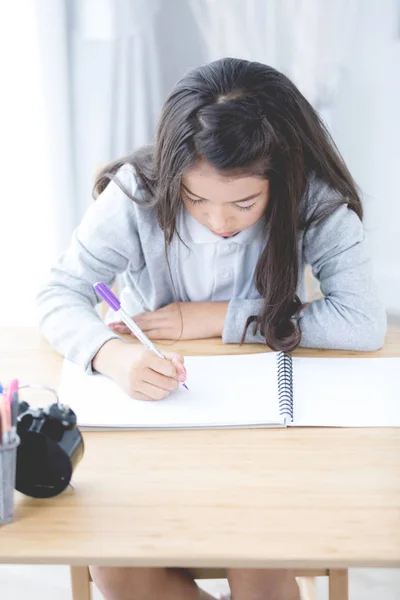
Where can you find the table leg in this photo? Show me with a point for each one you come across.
(80, 583)
(307, 588)
(338, 584)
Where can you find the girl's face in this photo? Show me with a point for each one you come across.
(224, 205)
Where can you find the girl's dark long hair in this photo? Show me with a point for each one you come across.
(247, 118)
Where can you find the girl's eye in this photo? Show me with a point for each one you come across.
(201, 200)
(192, 200)
(246, 207)
(197, 201)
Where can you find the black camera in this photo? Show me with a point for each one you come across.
(50, 449)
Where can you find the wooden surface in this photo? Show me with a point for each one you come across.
(304, 498)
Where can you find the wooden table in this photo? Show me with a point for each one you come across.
(302, 498)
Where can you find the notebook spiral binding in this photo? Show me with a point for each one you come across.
(285, 385)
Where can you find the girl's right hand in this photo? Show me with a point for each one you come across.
(138, 371)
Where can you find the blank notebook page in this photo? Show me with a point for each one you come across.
(224, 391)
(347, 392)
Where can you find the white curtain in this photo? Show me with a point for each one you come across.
(308, 40)
(237, 28)
(116, 83)
(83, 89)
(53, 23)
(323, 35)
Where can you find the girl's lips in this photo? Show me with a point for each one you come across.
(224, 234)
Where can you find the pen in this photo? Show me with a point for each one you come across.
(14, 413)
(1, 414)
(108, 296)
(5, 418)
(9, 399)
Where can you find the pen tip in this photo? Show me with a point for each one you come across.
(184, 385)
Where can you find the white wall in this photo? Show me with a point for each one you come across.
(27, 208)
(366, 127)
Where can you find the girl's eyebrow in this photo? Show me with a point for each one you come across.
(233, 201)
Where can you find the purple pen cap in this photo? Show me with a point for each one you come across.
(107, 295)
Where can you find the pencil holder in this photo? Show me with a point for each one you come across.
(8, 461)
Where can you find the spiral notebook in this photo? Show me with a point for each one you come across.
(251, 390)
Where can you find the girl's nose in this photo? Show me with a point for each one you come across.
(218, 222)
(218, 226)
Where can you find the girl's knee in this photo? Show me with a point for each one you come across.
(257, 584)
(120, 583)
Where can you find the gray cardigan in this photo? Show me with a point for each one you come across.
(118, 235)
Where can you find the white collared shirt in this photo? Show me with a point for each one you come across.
(211, 268)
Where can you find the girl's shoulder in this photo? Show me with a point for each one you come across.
(318, 198)
(129, 180)
(127, 194)
(318, 191)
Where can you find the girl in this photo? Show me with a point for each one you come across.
(212, 228)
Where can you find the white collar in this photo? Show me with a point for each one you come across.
(193, 231)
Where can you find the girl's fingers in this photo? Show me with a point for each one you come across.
(178, 362)
(168, 384)
(140, 320)
(151, 391)
(161, 365)
(175, 357)
(148, 320)
(172, 363)
(119, 327)
(158, 334)
(147, 327)
(152, 334)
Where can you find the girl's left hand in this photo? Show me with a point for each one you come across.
(181, 320)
